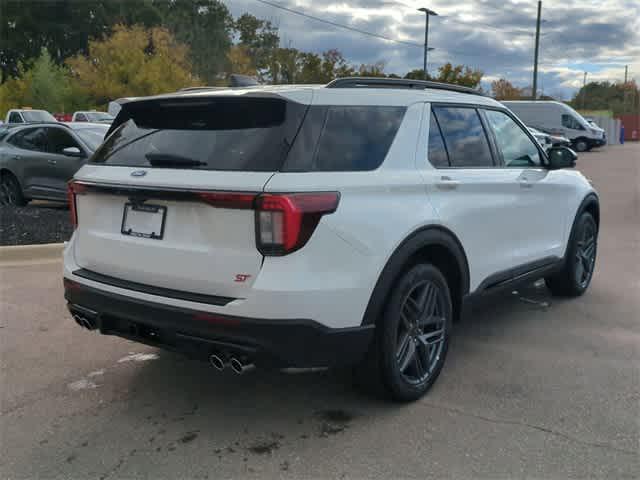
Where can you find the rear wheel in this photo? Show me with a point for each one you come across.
(581, 145)
(413, 335)
(575, 277)
(10, 191)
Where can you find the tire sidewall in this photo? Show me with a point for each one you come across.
(581, 142)
(396, 385)
(583, 221)
(10, 182)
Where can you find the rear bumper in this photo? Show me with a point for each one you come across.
(278, 343)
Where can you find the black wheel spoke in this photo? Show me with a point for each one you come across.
(407, 357)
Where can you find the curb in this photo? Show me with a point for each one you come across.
(30, 254)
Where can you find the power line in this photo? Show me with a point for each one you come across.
(339, 25)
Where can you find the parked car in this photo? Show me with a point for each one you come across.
(543, 138)
(559, 118)
(92, 117)
(27, 115)
(304, 226)
(37, 160)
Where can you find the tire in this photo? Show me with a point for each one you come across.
(577, 272)
(581, 145)
(412, 337)
(10, 191)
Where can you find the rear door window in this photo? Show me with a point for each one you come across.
(34, 139)
(356, 138)
(464, 137)
(236, 134)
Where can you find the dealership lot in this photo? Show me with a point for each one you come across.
(533, 386)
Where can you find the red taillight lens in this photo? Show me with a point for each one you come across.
(240, 201)
(285, 222)
(73, 189)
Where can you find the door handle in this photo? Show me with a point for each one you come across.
(524, 183)
(51, 162)
(447, 183)
(16, 157)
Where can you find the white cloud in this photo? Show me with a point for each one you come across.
(497, 36)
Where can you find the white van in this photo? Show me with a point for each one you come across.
(557, 117)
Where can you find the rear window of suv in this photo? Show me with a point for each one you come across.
(212, 134)
(252, 134)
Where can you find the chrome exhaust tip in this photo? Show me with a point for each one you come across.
(217, 362)
(240, 368)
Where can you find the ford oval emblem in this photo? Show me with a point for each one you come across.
(139, 173)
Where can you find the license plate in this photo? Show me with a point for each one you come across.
(141, 220)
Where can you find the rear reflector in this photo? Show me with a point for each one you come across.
(285, 222)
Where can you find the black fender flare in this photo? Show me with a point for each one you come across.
(397, 263)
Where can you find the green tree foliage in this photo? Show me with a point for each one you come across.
(63, 27)
(205, 26)
(44, 85)
(134, 61)
(261, 39)
(619, 97)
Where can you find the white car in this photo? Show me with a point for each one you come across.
(307, 226)
(28, 115)
(92, 117)
(543, 139)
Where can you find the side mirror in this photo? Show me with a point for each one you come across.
(561, 157)
(72, 152)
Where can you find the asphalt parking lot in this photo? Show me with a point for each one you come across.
(533, 387)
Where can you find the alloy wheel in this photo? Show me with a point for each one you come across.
(8, 194)
(585, 257)
(421, 332)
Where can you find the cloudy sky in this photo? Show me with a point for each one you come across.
(497, 36)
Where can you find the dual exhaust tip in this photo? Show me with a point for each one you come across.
(237, 365)
(84, 322)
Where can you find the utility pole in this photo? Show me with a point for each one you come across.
(584, 89)
(626, 72)
(534, 90)
(427, 13)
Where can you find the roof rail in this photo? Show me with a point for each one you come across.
(378, 82)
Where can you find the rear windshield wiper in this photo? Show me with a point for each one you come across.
(168, 160)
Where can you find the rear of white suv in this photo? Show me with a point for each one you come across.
(305, 227)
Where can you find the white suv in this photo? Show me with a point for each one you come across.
(305, 226)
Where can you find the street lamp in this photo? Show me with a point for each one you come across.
(427, 13)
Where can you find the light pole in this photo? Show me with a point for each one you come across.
(534, 89)
(428, 13)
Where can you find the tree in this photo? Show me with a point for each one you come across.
(261, 39)
(205, 27)
(417, 74)
(459, 75)
(133, 61)
(45, 85)
(504, 90)
(240, 61)
(64, 27)
(620, 97)
(372, 70)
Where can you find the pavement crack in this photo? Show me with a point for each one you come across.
(547, 430)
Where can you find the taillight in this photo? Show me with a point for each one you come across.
(285, 222)
(239, 201)
(74, 188)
